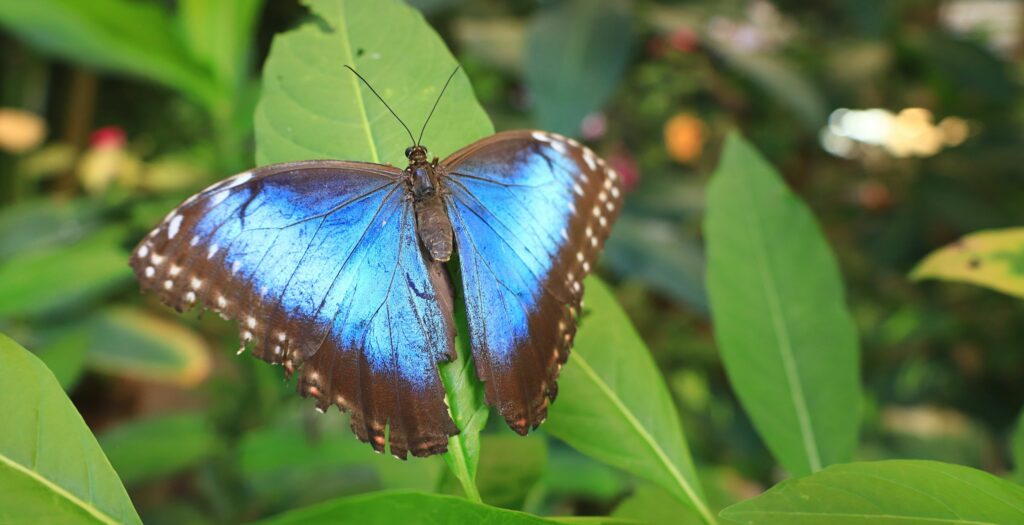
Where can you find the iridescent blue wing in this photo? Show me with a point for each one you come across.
(530, 211)
(320, 265)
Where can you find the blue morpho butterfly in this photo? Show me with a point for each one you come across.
(336, 269)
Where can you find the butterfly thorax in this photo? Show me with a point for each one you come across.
(426, 189)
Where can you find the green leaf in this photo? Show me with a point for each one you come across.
(36, 282)
(218, 33)
(1017, 449)
(132, 343)
(652, 251)
(411, 508)
(304, 458)
(466, 404)
(782, 82)
(65, 356)
(787, 341)
(576, 53)
(148, 449)
(50, 464)
(652, 505)
(41, 223)
(312, 107)
(131, 37)
(613, 404)
(992, 258)
(509, 471)
(887, 492)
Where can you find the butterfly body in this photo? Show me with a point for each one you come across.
(338, 271)
(427, 190)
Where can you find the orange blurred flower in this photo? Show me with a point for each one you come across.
(684, 138)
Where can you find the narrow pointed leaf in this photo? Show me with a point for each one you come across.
(51, 468)
(993, 259)
(613, 404)
(887, 493)
(787, 341)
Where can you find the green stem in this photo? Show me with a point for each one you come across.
(457, 464)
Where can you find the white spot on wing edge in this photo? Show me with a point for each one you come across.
(537, 135)
(219, 197)
(174, 226)
(143, 251)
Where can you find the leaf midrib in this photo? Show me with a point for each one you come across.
(634, 423)
(347, 46)
(57, 489)
(782, 337)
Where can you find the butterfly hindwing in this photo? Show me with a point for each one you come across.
(530, 212)
(320, 265)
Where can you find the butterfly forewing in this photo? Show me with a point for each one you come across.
(320, 265)
(530, 212)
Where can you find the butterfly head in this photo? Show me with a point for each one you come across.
(416, 154)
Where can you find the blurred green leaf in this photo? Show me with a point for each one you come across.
(576, 53)
(309, 101)
(65, 356)
(133, 37)
(509, 469)
(652, 505)
(290, 463)
(787, 341)
(219, 33)
(411, 508)
(993, 259)
(132, 343)
(312, 107)
(1017, 449)
(37, 282)
(653, 252)
(782, 82)
(42, 223)
(614, 405)
(901, 491)
(571, 474)
(51, 468)
(148, 449)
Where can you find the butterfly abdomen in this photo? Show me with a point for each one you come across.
(434, 228)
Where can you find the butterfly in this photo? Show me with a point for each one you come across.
(338, 271)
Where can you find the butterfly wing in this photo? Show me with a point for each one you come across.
(320, 265)
(530, 212)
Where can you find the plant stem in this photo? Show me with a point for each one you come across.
(457, 464)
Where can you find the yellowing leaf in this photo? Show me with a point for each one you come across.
(992, 258)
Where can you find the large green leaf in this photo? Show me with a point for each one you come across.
(993, 258)
(575, 56)
(613, 404)
(155, 447)
(37, 282)
(887, 492)
(51, 468)
(788, 343)
(312, 107)
(133, 37)
(411, 508)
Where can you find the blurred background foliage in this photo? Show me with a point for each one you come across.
(900, 123)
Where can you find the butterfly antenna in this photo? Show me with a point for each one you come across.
(424, 128)
(381, 99)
